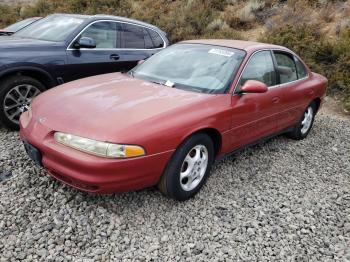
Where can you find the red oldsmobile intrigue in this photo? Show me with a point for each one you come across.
(167, 120)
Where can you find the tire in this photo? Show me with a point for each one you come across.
(302, 129)
(188, 169)
(14, 98)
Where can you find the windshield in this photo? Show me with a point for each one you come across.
(19, 25)
(197, 67)
(53, 28)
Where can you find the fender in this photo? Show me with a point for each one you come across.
(13, 69)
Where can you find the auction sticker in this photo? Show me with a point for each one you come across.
(221, 52)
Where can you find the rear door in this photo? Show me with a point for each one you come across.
(105, 58)
(254, 115)
(293, 88)
(139, 43)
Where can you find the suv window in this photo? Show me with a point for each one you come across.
(156, 39)
(286, 67)
(301, 70)
(137, 37)
(133, 36)
(104, 33)
(260, 67)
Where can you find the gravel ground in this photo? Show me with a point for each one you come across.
(283, 200)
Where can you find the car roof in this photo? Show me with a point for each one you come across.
(238, 44)
(113, 17)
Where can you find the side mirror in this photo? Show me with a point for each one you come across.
(253, 86)
(85, 42)
(140, 62)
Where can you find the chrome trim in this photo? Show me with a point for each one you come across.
(107, 49)
(275, 86)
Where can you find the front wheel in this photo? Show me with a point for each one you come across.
(16, 94)
(189, 168)
(303, 127)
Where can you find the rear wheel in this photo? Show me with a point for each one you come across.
(16, 94)
(303, 127)
(189, 168)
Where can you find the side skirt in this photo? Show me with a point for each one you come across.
(259, 141)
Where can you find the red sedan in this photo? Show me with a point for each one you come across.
(167, 120)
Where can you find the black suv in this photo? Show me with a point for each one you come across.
(61, 48)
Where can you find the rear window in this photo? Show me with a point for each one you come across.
(156, 39)
(301, 70)
(286, 67)
(133, 37)
(138, 37)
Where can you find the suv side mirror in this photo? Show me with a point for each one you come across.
(85, 42)
(253, 86)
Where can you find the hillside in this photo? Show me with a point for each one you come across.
(16, 2)
(318, 30)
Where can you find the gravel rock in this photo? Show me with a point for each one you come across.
(283, 200)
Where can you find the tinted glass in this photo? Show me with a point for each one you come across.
(156, 39)
(286, 67)
(300, 68)
(260, 67)
(201, 68)
(148, 41)
(104, 33)
(133, 36)
(54, 28)
(21, 24)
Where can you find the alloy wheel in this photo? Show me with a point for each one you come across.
(307, 120)
(18, 100)
(194, 167)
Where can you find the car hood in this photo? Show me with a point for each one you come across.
(12, 42)
(110, 107)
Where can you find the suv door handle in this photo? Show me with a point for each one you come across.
(275, 100)
(114, 57)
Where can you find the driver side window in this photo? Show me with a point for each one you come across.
(104, 34)
(260, 67)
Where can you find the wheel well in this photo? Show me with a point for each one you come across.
(41, 77)
(317, 101)
(215, 136)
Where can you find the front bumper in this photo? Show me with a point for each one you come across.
(91, 173)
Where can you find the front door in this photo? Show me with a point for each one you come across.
(105, 58)
(254, 115)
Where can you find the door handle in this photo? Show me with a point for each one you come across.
(275, 100)
(114, 57)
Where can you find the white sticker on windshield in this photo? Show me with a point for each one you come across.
(221, 52)
(169, 83)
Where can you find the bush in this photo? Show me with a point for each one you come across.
(9, 15)
(303, 39)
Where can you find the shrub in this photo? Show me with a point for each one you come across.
(9, 15)
(302, 39)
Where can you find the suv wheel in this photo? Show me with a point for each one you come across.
(16, 94)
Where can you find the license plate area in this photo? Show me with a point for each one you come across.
(33, 153)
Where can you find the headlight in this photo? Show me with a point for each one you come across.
(98, 148)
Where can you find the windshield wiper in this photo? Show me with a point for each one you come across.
(157, 82)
